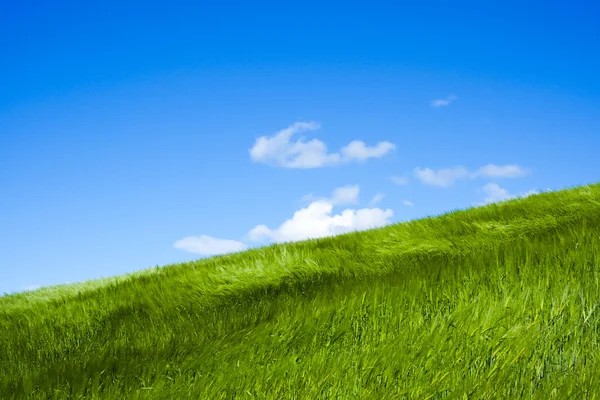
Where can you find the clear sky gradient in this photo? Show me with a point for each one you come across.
(136, 134)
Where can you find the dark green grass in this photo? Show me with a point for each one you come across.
(492, 302)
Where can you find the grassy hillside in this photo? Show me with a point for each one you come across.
(491, 302)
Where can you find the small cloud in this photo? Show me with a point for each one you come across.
(400, 181)
(377, 198)
(446, 177)
(342, 195)
(501, 171)
(345, 195)
(282, 151)
(259, 232)
(529, 193)
(307, 198)
(207, 245)
(359, 151)
(443, 178)
(443, 102)
(407, 203)
(494, 193)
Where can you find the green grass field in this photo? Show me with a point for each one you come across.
(495, 302)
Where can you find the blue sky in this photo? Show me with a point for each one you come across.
(135, 135)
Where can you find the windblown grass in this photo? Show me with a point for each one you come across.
(491, 302)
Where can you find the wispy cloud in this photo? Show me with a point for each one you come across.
(443, 102)
(207, 245)
(446, 177)
(283, 150)
(501, 171)
(345, 195)
(407, 203)
(495, 193)
(398, 180)
(340, 196)
(377, 198)
(529, 193)
(357, 150)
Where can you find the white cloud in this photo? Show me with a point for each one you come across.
(443, 102)
(359, 151)
(446, 177)
(399, 180)
(377, 198)
(317, 220)
(495, 193)
(283, 151)
(207, 245)
(529, 193)
(308, 198)
(259, 233)
(501, 171)
(443, 178)
(407, 203)
(345, 195)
